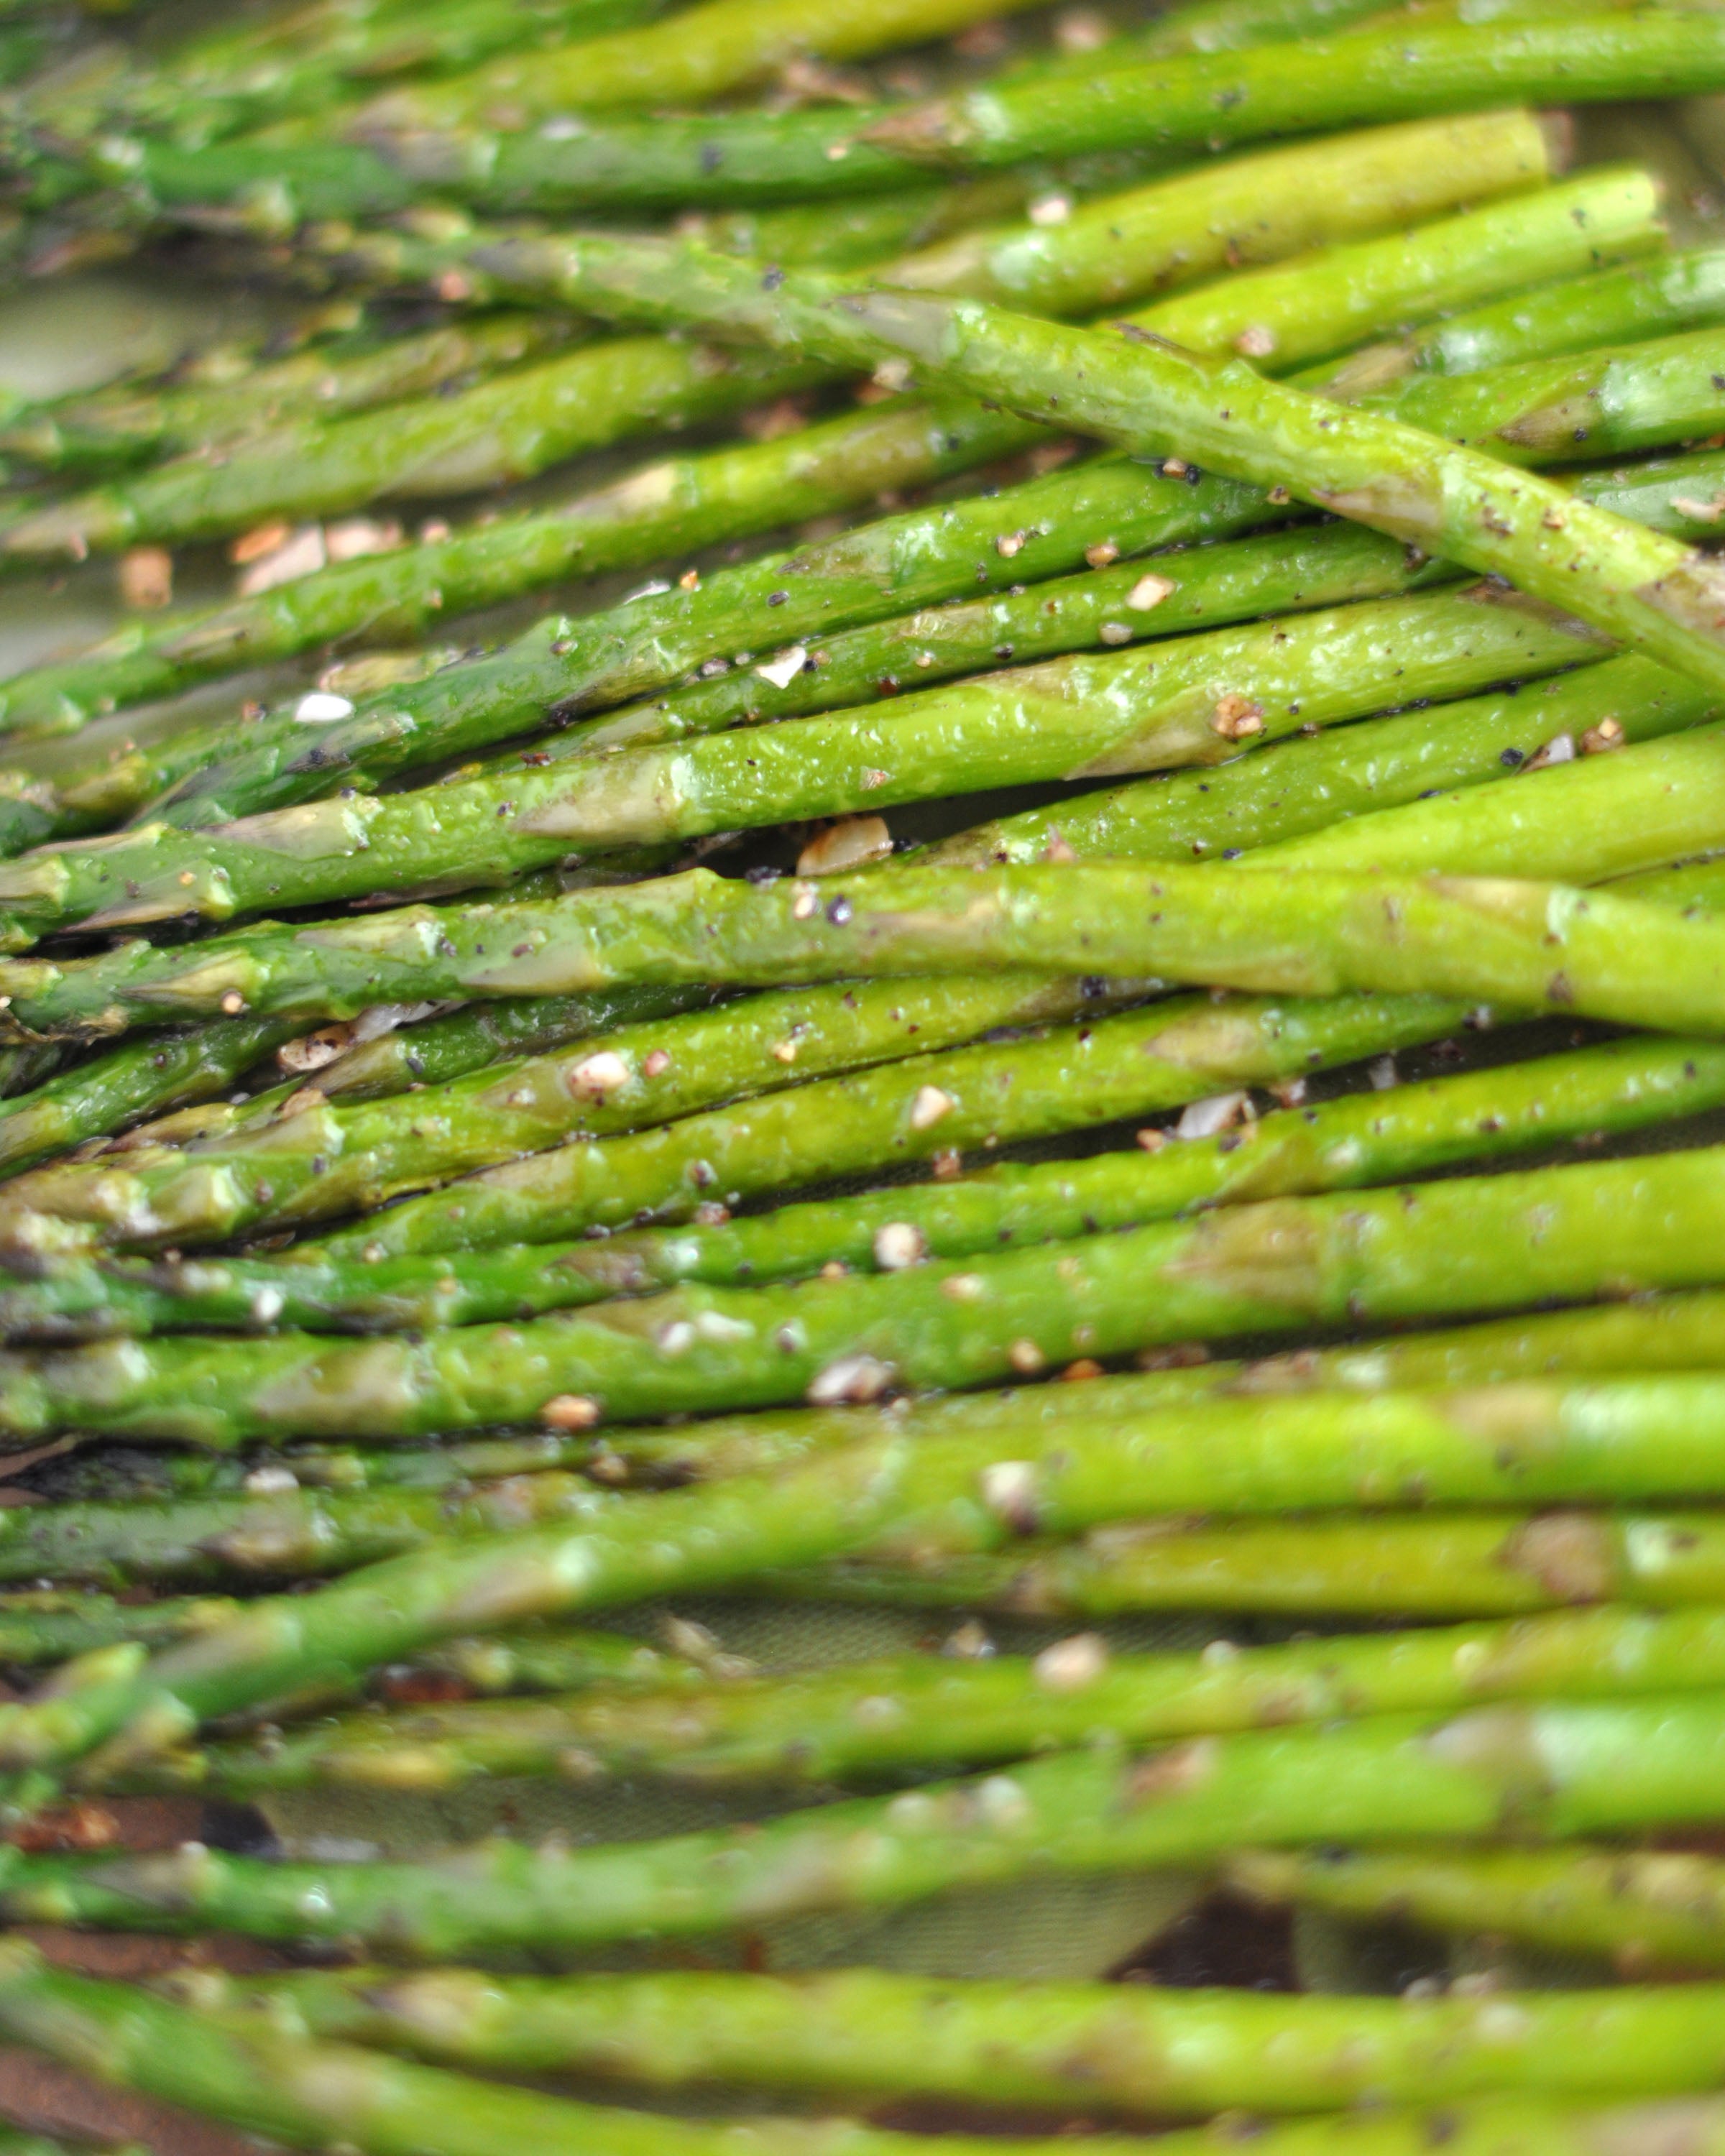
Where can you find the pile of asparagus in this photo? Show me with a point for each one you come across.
(755, 1314)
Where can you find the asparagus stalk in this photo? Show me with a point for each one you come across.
(1416, 1568)
(1564, 1233)
(1611, 1443)
(289, 1533)
(1647, 299)
(679, 505)
(710, 48)
(1306, 785)
(330, 1158)
(500, 430)
(868, 2033)
(1400, 277)
(1440, 640)
(1217, 100)
(1093, 715)
(1640, 1911)
(240, 2068)
(589, 398)
(1358, 1140)
(1520, 945)
(107, 1093)
(1560, 1768)
(1639, 587)
(880, 1722)
(116, 428)
(1274, 573)
(1578, 822)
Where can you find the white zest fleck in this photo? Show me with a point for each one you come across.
(853, 1380)
(964, 1287)
(1209, 1119)
(569, 1411)
(655, 588)
(929, 1107)
(897, 1245)
(1115, 632)
(783, 670)
(1070, 1665)
(894, 374)
(1149, 591)
(602, 1073)
(562, 127)
(266, 1482)
(301, 553)
(1559, 749)
(676, 1338)
(319, 708)
(1219, 1654)
(1026, 1358)
(805, 904)
(1009, 1492)
(1001, 1802)
(713, 1325)
(1383, 1075)
(1051, 209)
(267, 1305)
(1257, 341)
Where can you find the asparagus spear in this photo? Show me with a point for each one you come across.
(1559, 1770)
(882, 1721)
(1093, 715)
(482, 436)
(1579, 821)
(1648, 394)
(1523, 946)
(116, 428)
(1417, 1567)
(1306, 785)
(330, 1158)
(107, 1093)
(1401, 277)
(1641, 1911)
(289, 1533)
(679, 505)
(1441, 643)
(676, 505)
(1214, 100)
(1360, 1139)
(1564, 1233)
(1646, 590)
(244, 2068)
(1646, 298)
(1137, 2049)
(1274, 573)
(240, 2068)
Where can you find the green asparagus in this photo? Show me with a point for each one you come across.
(1520, 945)
(1306, 786)
(116, 428)
(1644, 589)
(1647, 299)
(1274, 573)
(1189, 701)
(1217, 100)
(1445, 1249)
(1417, 1567)
(1581, 820)
(1643, 1911)
(881, 1721)
(327, 1158)
(241, 2069)
(1360, 1139)
(288, 1533)
(1551, 1770)
(676, 505)
(1132, 2049)
(107, 1093)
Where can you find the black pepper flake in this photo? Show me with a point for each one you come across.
(1512, 756)
(839, 912)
